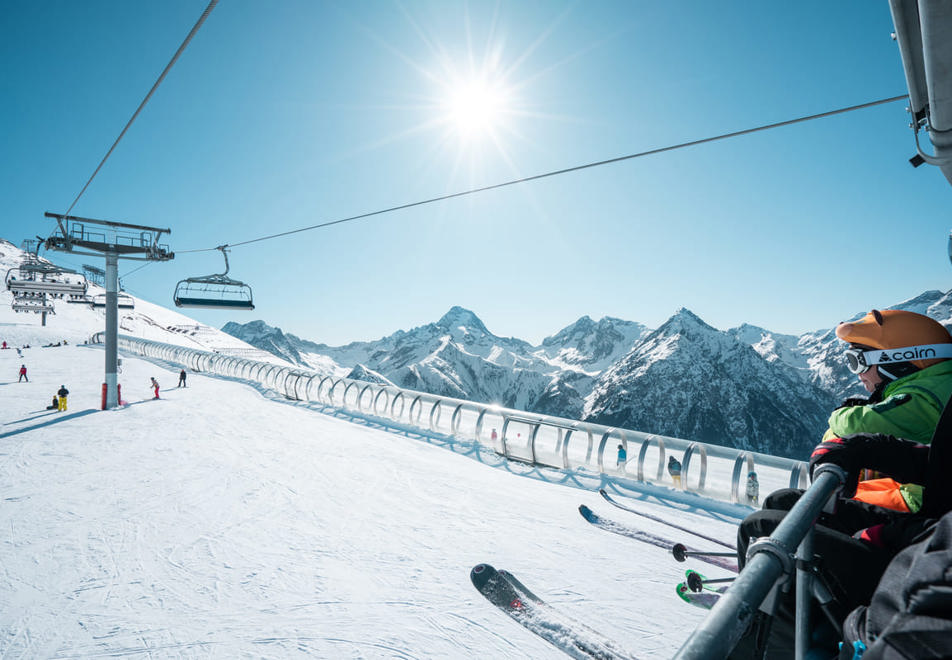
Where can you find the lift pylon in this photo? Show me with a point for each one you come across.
(114, 241)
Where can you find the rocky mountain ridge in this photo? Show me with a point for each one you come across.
(745, 387)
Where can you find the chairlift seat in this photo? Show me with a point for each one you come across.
(123, 301)
(214, 291)
(207, 303)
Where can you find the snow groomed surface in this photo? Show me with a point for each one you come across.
(222, 521)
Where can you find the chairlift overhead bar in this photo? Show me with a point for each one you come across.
(109, 223)
(128, 239)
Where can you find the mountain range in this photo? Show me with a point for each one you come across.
(746, 387)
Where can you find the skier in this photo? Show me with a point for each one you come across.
(54, 405)
(155, 388)
(674, 469)
(4, 344)
(858, 542)
(23, 374)
(494, 437)
(181, 378)
(906, 396)
(622, 456)
(753, 488)
(63, 393)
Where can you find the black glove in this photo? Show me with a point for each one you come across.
(902, 460)
(841, 452)
(854, 401)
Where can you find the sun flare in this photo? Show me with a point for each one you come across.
(476, 108)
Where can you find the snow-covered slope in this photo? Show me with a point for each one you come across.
(222, 522)
(77, 323)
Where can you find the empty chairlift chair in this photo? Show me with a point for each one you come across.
(123, 301)
(214, 291)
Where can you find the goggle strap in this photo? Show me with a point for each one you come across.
(907, 354)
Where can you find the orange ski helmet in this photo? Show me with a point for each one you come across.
(895, 328)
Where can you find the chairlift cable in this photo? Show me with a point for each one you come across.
(147, 263)
(181, 49)
(566, 170)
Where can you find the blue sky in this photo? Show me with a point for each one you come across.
(282, 115)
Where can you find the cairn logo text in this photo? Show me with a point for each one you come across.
(906, 355)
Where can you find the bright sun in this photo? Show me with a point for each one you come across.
(475, 108)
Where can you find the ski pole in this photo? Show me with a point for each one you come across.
(681, 553)
(696, 582)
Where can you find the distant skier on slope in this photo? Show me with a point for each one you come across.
(54, 405)
(23, 374)
(181, 378)
(753, 488)
(63, 393)
(674, 469)
(622, 456)
(155, 388)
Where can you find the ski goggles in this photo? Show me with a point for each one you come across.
(859, 360)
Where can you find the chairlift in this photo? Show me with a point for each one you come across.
(37, 305)
(214, 291)
(33, 277)
(123, 301)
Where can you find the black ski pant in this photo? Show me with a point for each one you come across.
(851, 568)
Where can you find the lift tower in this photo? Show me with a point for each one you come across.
(114, 241)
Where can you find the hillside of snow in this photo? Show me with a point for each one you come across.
(224, 521)
(77, 323)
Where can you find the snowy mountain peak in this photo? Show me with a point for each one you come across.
(749, 334)
(684, 320)
(251, 330)
(459, 318)
(580, 328)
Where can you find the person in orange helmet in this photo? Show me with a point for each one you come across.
(904, 360)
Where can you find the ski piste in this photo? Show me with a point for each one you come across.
(647, 537)
(616, 503)
(506, 592)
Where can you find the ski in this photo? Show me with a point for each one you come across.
(705, 600)
(616, 503)
(577, 640)
(653, 539)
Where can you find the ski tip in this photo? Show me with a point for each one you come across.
(602, 492)
(481, 574)
(682, 590)
(585, 511)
